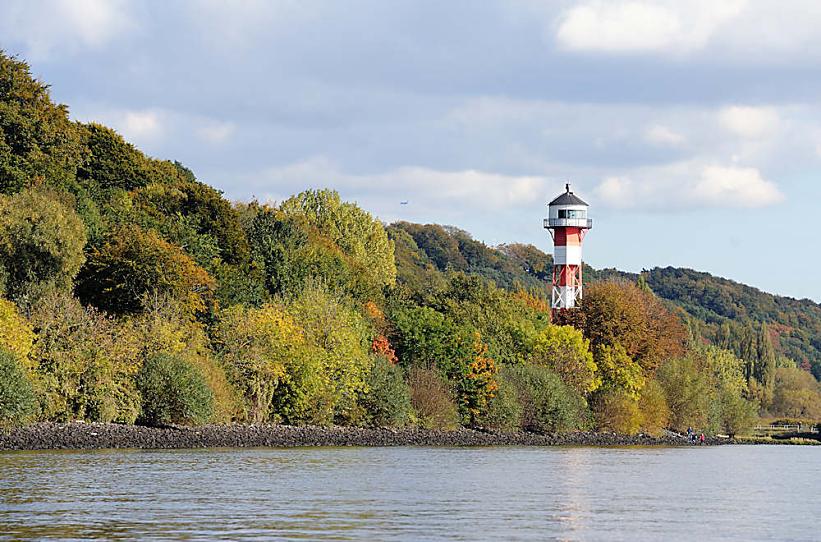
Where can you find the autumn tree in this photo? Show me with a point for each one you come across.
(616, 312)
(133, 263)
(41, 242)
(353, 230)
(565, 350)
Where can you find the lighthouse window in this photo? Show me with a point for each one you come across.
(571, 213)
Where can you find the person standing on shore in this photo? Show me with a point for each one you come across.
(701, 438)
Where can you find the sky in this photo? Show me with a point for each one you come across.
(693, 128)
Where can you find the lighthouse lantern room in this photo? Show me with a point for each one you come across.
(567, 222)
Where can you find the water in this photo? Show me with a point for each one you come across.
(715, 493)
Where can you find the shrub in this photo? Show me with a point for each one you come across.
(617, 411)
(16, 334)
(85, 362)
(737, 415)
(505, 411)
(173, 392)
(548, 404)
(653, 410)
(432, 399)
(17, 400)
(688, 391)
(41, 242)
(565, 350)
(388, 401)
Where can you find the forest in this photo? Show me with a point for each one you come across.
(131, 292)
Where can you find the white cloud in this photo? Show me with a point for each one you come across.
(139, 125)
(216, 132)
(424, 188)
(689, 185)
(663, 136)
(749, 122)
(45, 27)
(642, 26)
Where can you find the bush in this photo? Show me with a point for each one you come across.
(17, 400)
(737, 415)
(565, 350)
(653, 410)
(548, 404)
(388, 401)
(173, 392)
(432, 400)
(617, 411)
(505, 411)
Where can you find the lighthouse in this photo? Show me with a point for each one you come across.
(567, 223)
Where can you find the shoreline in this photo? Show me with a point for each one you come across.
(91, 436)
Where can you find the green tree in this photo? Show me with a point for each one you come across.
(173, 392)
(355, 231)
(548, 404)
(41, 242)
(388, 400)
(688, 390)
(17, 400)
(85, 362)
(37, 139)
(269, 359)
(332, 324)
(618, 371)
(565, 350)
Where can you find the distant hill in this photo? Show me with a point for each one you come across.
(795, 325)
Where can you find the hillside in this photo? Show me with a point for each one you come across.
(132, 292)
(795, 325)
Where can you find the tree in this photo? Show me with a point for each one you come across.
(41, 242)
(617, 312)
(565, 350)
(618, 371)
(332, 324)
(654, 413)
(17, 400)
(427, 338)
(173, 392)
(280, 374)
(388, 400)
(133, 263)
(617, 411)
(797, 394)
(16, 334)
(688, 391)
(37, 139)
(548, 404)
(353, 230)
(85, 362)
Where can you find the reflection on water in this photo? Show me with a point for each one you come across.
(729, 493)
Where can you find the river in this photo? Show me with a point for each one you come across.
(407, 493)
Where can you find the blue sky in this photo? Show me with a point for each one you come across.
(692, 128)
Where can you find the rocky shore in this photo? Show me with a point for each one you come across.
(76, 436)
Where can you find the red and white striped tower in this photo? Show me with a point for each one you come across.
(567, 223)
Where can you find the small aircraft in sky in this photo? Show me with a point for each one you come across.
(403, 202)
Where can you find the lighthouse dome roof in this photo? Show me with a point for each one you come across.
(568, 198)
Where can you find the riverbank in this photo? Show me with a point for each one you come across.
(50, 436)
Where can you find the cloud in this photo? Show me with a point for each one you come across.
(448, 192)
(663, 136)
(45, 28)
(216, 132)
(641, 26)
(689, 186)
(749, 122)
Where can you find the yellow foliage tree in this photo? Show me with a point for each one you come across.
(16, 334)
